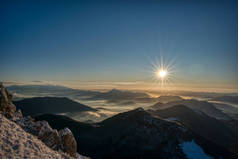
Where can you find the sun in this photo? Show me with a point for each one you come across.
(162, 73)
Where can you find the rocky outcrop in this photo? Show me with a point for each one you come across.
(6, 105)
(48, 135)
(61, 141)
(17, 143)
(68, 142)
(42, 130)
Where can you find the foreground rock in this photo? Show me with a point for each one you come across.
(61, 141)
(15, 142)
(68, 142)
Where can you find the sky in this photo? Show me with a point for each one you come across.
(111, 42)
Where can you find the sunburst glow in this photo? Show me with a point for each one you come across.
(162, 73)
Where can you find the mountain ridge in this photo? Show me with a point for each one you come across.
(40, 105)
(134, 134)
(200, 123)
(200, 106)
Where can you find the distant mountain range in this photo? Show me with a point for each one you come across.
(228, 99)
(57, 90)
(199, 106)
(40, 105)
(115, 94)
(48, 90)
(37, 88)
(167, 99)
(121, 97)
(130, 97)
(111, 96)
(137, 134)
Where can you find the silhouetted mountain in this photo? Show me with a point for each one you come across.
(166, 99)
(199, 106)
(118, 95)
(136, 134)
(157, 106)
(200, 123)
(40, 105)
(229, 99)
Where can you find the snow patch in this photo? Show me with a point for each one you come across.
(65, 131)
(172, 119)
(193, 151)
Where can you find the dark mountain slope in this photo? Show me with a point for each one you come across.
(59, 122)
(200, 123)
(133, 134)
(40, 105)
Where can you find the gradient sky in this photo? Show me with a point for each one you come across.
(117, 41)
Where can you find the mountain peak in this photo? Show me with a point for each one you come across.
(114, 90)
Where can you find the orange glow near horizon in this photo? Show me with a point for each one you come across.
(135, 85)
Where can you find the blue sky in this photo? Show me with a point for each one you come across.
(118, 40)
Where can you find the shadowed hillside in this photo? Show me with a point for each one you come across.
(200, 123)
(40, 105)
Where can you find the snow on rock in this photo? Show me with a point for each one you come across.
(15, 142)
(65, 131)
(193, 151)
